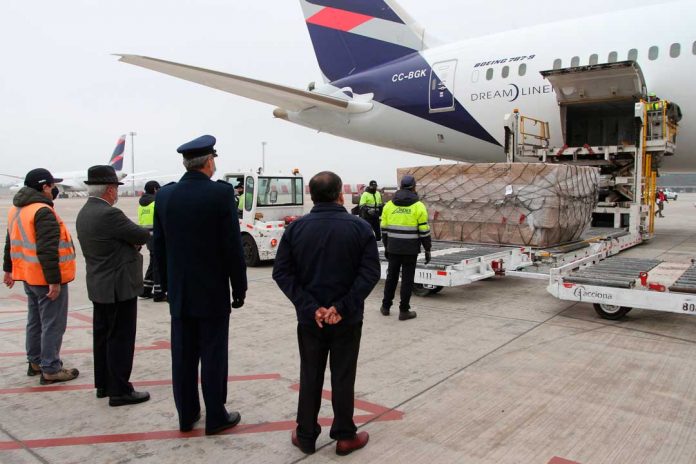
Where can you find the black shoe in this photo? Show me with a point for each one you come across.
(159, 298)
(145, 296)
(133, 397)
(101, 393)
(32, 370)
(384, 311)
(233, 419)
(406, 315)
(189, 427)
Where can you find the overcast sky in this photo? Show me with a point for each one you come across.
(64, 99)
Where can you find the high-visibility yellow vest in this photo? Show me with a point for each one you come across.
(405, 222)
(371, 199)
(146, 215)
(25, 261)
(240, 202)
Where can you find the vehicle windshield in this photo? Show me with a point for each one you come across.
(280, 191)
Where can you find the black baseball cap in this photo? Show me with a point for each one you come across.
(37, 178)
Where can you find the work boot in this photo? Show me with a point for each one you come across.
(160, 298)
(406, 315)
(384, 310)
(145, 295)
(63, 375)
(33, 369)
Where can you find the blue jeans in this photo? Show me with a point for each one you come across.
(46, 321)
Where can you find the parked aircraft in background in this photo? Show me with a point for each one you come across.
(387, 84)
(73, 181)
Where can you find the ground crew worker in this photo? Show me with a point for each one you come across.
(40, 252)
(404, 229)
(660, 198)
(146, 217)
(239, 194)
(371, 207)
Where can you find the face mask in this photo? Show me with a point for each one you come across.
(55, 192)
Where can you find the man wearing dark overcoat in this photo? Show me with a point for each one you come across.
(327, 265)
(199, 252)
(111, 245)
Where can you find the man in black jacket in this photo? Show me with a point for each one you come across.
(327, 264)
(152, 287)
(46, 264)
(110, 243)
(198, 248)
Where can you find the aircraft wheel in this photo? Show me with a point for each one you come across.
(611, 312)
(251, 251)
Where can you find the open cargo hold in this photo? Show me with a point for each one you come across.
(530, 204)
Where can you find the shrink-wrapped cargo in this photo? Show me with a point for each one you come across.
(530, 204)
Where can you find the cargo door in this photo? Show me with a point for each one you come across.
(596, 102)
(597, 83)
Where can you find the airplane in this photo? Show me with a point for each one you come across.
(73, 181)
(387, 83)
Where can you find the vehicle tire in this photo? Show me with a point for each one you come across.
(437, 289)
(251, 251)
(611, 312)
(420, 290)
(675, 197)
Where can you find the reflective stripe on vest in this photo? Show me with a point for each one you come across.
(25, 262)
(405, 222)
(146, 215)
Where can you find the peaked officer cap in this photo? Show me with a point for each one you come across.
(201, 146)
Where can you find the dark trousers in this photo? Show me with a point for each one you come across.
(374, 222)
(151, 282)
(114, 345)
(197, 340)
(340, 342)
(407, 265)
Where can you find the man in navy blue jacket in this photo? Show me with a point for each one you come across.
(199, 253)
(327, 264)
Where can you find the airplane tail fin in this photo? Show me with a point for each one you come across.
(117, 157)
(350, 36)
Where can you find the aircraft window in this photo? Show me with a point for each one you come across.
(557, 63)
(675, 50)
(575, 62)
(594, 58)
(693, 48)
(475, 76)
(522, 69)
(506, 72)
(653, 53)
(632, 54)
(613, 57)
(489, 74)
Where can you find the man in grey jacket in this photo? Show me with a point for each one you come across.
(111, 245)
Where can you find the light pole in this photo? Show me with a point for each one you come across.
(263, 157)
(133, 134)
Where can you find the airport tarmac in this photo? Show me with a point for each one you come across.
(495, 372)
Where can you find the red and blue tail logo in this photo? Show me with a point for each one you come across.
(117, 157)
(350, 36)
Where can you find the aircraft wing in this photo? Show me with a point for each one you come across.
(12, 176)
(288, 98)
